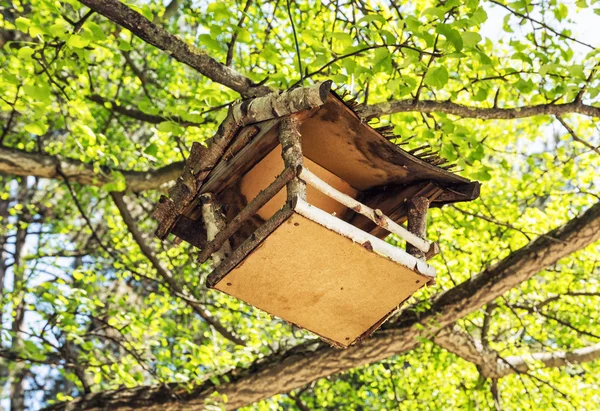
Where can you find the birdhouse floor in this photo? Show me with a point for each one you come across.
(322, 281)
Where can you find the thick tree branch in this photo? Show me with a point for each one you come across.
(491, 365)
(281, 373)
(520, 364)
(22, 163)
(460, 343)
(484, 113)
(173, 45)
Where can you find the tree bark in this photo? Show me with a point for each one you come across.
(281, 373)
(291, 151)
(484, 113)
(173, 45)
(20, 370)
(417, 223)
(214, 222)
(21, 163)
(492, 365)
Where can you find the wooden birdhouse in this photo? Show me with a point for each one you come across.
(293, 200)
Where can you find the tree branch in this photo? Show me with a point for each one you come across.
(22, 163)
(231, 45)
(484, 113)
(281, 373)
(575, 136)
(164, 273)
(139, 115)
(173, 45)
(491, 365)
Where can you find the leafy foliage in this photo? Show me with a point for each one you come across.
(84, 309)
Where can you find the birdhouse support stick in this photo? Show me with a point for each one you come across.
(367, 240)
(291, 151)
(253, 206)
(376, 216)
(249, 244)
(214, 222)
(417, 222)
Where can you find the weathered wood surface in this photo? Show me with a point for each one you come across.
(337, 139)
(417, 223)
(315, 278)
(334, 137)
(214, 223)
(203, 159)
(392, 202)
(291, 151)
(247, 212)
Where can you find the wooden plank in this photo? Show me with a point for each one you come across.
(339, 141)
(321, 281)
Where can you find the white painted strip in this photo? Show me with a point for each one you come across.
(358, 236)
(377, 217)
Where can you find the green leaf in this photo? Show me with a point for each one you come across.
(437, 77)
(35, 30)
(151, 150)
(483, 174)
(77, 41)
(344, 38)
(448, 152)
(166, 127)
(369, 18)
(244, 36)
(479, 16)
(438, 12)
(59, 29)
(25, 53)
(96, 30)
(470, 39)
(36, 128)
(41, 93)
(118, 183)
(524, 86)
(22, 24)
(124, 45)
(451, 35)
(208, 41)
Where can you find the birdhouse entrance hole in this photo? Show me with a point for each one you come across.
(294, 208)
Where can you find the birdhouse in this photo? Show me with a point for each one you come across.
(292, 202)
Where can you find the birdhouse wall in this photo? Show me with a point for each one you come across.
(263, 174)
(321, 281)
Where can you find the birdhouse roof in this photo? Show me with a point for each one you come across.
(333, 136)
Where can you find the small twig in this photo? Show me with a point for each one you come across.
(575, 137)
(234, 36)
(289, 10)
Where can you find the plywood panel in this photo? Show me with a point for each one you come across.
(263, 174)
(338, 140)
(320, 281)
